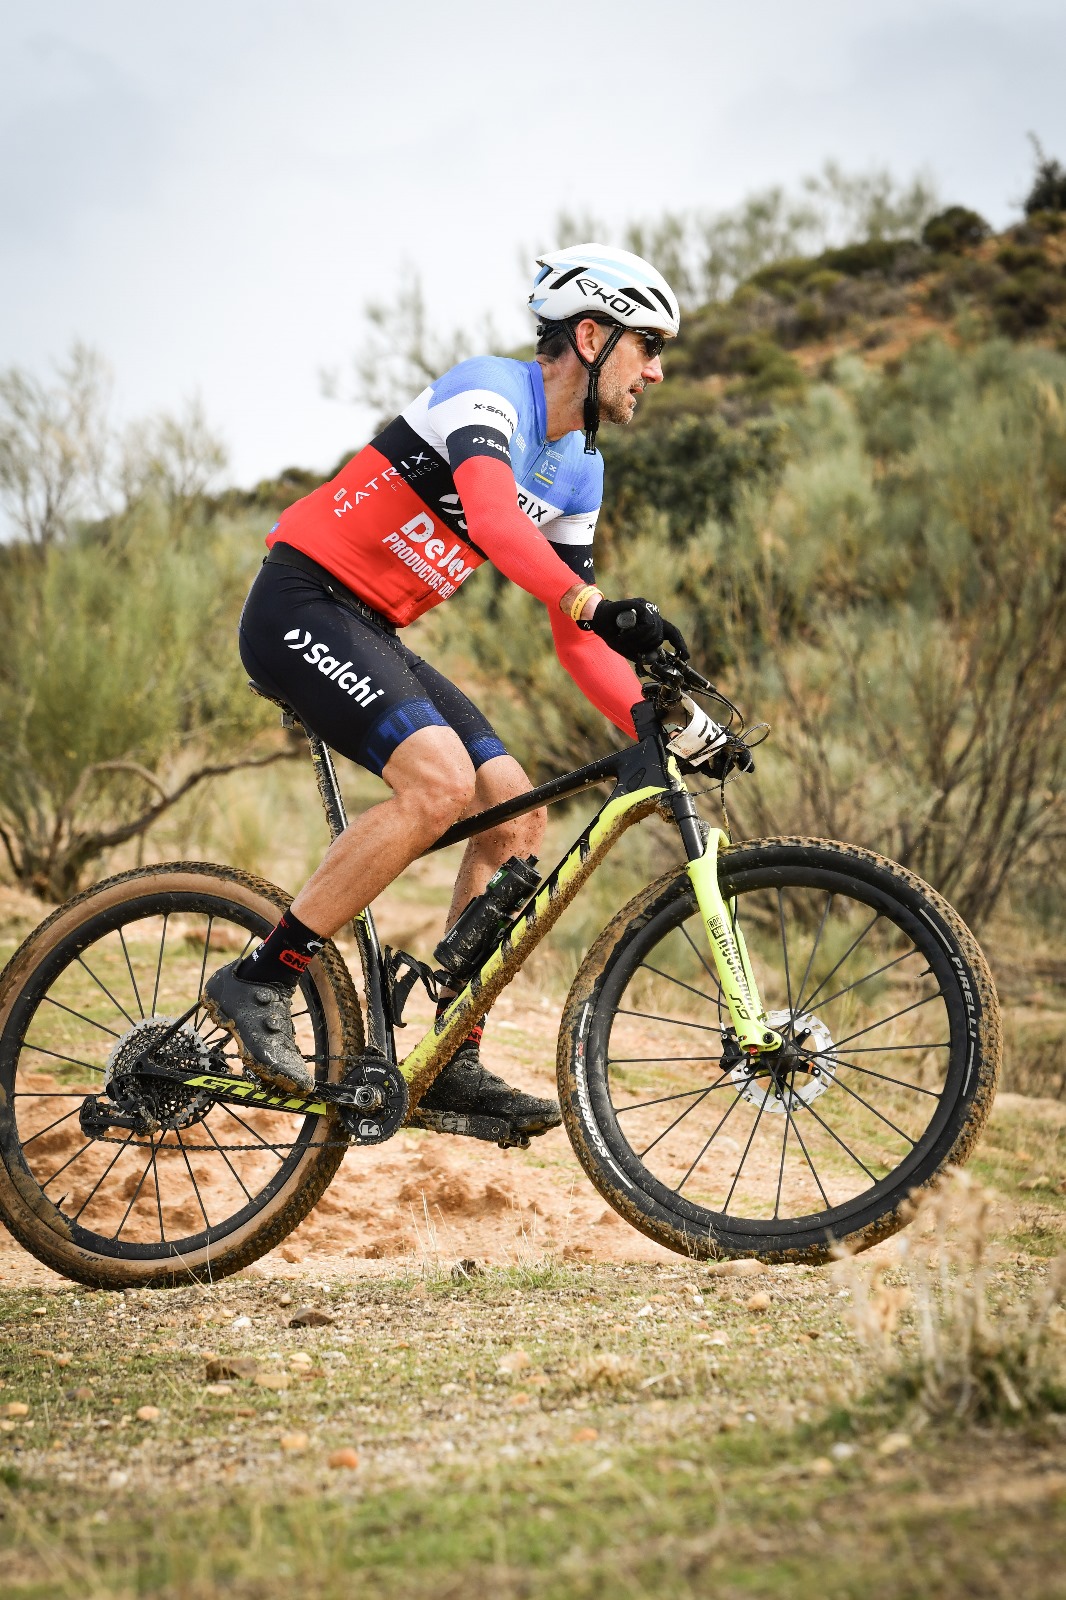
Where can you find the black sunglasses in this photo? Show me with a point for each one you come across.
(652, 340)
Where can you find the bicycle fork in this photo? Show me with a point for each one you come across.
(728, 949)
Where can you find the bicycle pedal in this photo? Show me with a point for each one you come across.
(494, 1130)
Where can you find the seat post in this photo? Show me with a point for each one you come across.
(328, 787)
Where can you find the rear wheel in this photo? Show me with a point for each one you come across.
(214, 1186)
(892, 1049)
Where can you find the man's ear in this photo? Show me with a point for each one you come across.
(590, 336)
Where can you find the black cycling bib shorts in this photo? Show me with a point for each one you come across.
(348, 677)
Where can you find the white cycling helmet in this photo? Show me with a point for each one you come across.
(601, 281)
(595, 280)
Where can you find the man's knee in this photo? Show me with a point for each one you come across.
(432, 777)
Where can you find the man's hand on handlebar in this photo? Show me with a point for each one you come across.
(635, 628)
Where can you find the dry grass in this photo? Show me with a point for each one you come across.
(963, 1354)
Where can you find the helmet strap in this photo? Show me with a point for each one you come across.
(592, 393)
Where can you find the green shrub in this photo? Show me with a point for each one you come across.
(119, 683)
(1026, 301)
(955, 230)
(1048, 192)
(875, 255)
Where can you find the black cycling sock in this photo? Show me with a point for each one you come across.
(284, 955)
(474, 1036)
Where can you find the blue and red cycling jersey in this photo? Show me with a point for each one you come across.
(466, 473)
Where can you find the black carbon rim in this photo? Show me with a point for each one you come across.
(662, 1098)
(172, 1194)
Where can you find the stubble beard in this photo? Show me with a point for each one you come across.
(618, 403)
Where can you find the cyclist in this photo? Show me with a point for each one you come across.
(488, 463)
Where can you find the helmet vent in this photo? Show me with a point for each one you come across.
(566, 276)
(667, 307)
(640, 297)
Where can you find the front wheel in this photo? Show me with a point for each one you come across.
(891, 1057)
(212, 1187)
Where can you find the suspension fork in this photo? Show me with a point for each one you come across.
(728, 949)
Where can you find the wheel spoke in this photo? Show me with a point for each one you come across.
(211, 1135)
(676, 1022)
(273, 1148)
(42, 1131)
(892, 1018)
(834, 1135)
(123, 1145)
(159, 963)
(116, 1003)
(701, 958)
(622, 1061)
(814, 951)
(710, 998)
(133, 1197)
(75, 1157)
(744, 1157)
(784, 953)
(886, 1120)
(203, 963)
(876, 973)
(192, 1180)
(680, 1118)
(685, 1094)
(882, 1049)
(784, 1140)
(710, 1137)
(81, 1016)
(811, 998)
(71, 1061)
(158, 1196)
(129, 968)
(803, 1147)
(900, 1082)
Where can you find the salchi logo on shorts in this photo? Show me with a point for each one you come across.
(339, 672)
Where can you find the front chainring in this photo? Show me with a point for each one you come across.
(379, 1100)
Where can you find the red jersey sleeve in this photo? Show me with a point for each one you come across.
(502, 532)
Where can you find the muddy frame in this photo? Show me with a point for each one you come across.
(646, 779)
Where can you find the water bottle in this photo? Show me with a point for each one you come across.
(471, 938)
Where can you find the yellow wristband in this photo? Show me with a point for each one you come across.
(582, 598)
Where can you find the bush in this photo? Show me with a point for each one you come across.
(1026, 301)
(1048, 192)
(955, 230)
(688, 470)
(120, 687)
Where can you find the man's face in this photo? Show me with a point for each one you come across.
(626, 372)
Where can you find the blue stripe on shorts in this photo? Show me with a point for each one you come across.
(395, 726)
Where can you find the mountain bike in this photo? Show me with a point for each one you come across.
(765, 1053)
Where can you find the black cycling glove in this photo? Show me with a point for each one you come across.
(634, 628)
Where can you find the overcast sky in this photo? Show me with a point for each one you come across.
(209, 192)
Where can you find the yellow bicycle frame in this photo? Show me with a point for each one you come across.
(728, 950)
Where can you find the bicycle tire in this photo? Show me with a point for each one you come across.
(85, 936)
(592, 1072)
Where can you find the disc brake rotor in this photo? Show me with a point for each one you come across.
(160, 1106)
(804, 1070)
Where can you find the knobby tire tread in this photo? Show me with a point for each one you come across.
(315, 1171)
(655, 898)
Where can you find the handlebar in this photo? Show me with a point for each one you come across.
(668, 676)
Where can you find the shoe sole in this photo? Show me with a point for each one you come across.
(273, 1080)
(464, 1122)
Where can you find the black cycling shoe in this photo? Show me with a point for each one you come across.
(466, 1089)
(259, 1017)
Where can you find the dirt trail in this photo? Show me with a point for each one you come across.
(434, 1198)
